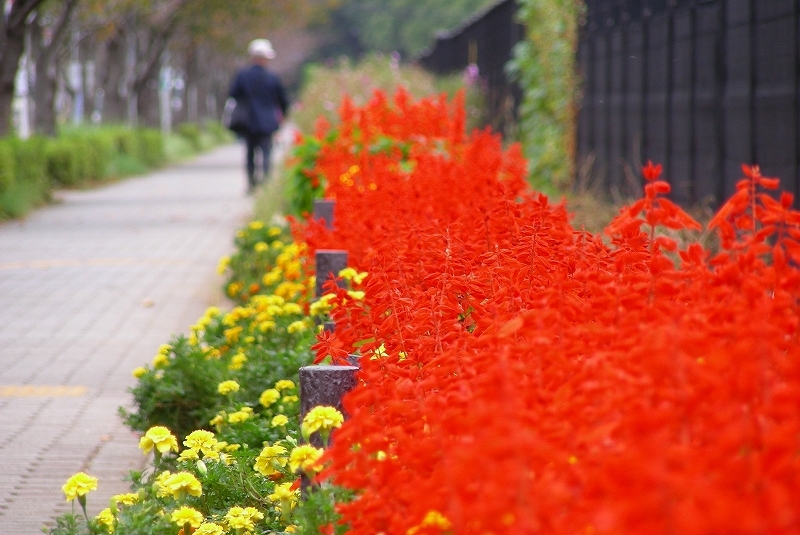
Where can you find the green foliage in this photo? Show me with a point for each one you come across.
(324, 87)
(302, 182)
(377, 26)
(7, 166)
(544, 66)
(191, 132)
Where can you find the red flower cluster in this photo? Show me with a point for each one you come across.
(520, 376)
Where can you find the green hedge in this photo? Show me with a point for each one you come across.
(78, 157)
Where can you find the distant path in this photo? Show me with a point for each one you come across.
(89, 288)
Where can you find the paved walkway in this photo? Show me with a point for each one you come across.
(89, 288)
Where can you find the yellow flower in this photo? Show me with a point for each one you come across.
(269, 396)
(279, 420)
(234, 288)
(129, 498)
(189, 455)
(256, 225)
(238, 417)
(204, 441)
(284, 384)
(351, 274)
(321, 306)
(292, 308)
(289, 399)
(78, 485)
(270, 460)
(271, 277)
(219, 419)
(227, 387)
(239, 518)
(297, 327)
(232, 334)
(432, 519)
(260, 247)
(160, 361)
(106, 519)
(267, 326)
(277, 244)
(305, 457)
(209, 528)
(291, 528)
(273, 231)
(358, 295)
(322, 419)
(139, 372)
(159, 437)
(237, 361)
(287, 498)
(186, 515)
(181, 484)
(223, 264)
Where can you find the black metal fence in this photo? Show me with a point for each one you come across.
(700, 86)
(485, 40)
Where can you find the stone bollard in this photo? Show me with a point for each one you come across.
(323, 385)
(329, 261)
(329, 327)
(323, 209)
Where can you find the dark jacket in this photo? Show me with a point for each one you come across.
(266, 98)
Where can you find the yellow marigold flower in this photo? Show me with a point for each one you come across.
(358, 295)
(322, 419)
(279, 420)
(291, 528)
(227, 387)
(267, 326)
(283, 491)
(237, 361)
(277, 244)
(243, 518)
(271, 277)
(106, 519)
(232, 334)
(139, 372)
(290, 399)
(181, 484)
(209, 528)
(202, 440)
(223, 264)
(159, 437)
(238, 417)
(284, 384)
(219, 419)
(274, 231)
(269, 396)
(270, 460)
(432, 519)
(305, 457)
(256, 225)
(297, 327)
(187, 515)
(160, 361)
(260, 247)
(189, 455)
(212, 312)
(379, 353)
(212, 353)
(234, 288)
(240, 234)
(78, 485)
(232, 447)
(292, 308)
(128, 498)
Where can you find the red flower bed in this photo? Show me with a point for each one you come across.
(521, 376)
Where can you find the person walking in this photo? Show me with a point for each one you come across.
(261, 92)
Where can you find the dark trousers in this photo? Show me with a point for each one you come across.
(262, 142)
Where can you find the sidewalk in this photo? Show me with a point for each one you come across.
(89, 289)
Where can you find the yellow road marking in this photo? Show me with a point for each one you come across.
(41, 391)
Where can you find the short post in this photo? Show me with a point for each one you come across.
(329, 327)
(329, 261)
(323, 385)
(323, 209)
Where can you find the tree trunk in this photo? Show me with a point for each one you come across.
(115, 104)
(12, 44)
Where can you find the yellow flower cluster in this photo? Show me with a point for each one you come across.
(201, 442)
(161, 360)
(271, 460)
(243, 518)
(187, 515)
(227, 387)
(352, 275)
(178, 485)
(286, 497)
(305, 458)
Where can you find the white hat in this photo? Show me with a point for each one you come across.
(261, 48)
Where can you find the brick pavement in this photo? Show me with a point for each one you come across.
(89, 288)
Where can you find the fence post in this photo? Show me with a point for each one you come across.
(329, 261)
(323, 209)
